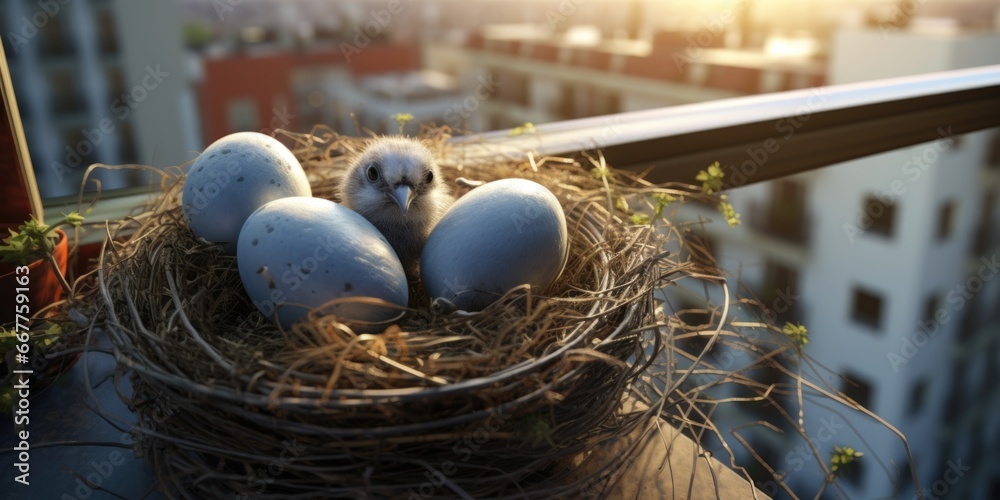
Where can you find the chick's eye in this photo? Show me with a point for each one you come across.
(429, 177)
(372, 172)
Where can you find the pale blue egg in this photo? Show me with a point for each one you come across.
(498, 236)
(297, 254)
(234, 176)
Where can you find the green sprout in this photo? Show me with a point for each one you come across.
(34, 239)
(621, 204)
(601, 172)
(661, 200)
(711, 179)
(842, 457)
(727, 211)
(798, 333)
(641, 219)
(537, 429)
(402, 119)
(527, 128)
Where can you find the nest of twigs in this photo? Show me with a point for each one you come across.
(504, 403)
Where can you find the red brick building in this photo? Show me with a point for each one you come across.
(256, 92)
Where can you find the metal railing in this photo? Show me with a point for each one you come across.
(763, 137)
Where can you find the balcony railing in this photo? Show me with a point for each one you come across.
(788, 223)
(764, 137)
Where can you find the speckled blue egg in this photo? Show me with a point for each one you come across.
(234, 176)
(498, 236)
(297, 254)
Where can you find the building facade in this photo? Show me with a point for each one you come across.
(99, 81)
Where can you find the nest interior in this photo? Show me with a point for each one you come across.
(503, 402)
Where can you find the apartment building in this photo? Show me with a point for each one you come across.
(99, 81)
(884, 258)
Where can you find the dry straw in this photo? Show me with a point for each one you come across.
(502, 403)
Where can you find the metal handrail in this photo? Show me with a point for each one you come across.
(763, 137)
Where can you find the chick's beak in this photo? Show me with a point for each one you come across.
(403, 196)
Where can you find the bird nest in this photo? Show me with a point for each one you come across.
(505, 402)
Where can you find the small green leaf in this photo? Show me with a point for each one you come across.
(711, 178)
(640, 219)
(601, 173)
(527, 128)
(74, 219)
(661, 200)
(798, 333)
(727, 211)
(402, 119)
(621, 204)
(843, 456)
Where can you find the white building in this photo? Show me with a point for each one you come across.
(99, 81)
(891, 258)
(882, 294)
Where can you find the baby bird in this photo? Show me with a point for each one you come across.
(397, 186)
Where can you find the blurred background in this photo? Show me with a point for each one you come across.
(885, 283)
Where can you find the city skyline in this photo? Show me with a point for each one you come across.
(171, 80)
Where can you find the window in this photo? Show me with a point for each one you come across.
(108, 39)
(867, 308)
(566, 105)
(918, 396)
(55, 39)
(881, 214)
(65, 88)
(781, 276)
(954, 404)
(993, 151)
(857, 388)
(970, 321)
(982, 238)
(786, 213)
(780, 290)
(126, 140)
(930, 309)
(945, 216)
(116, 83)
